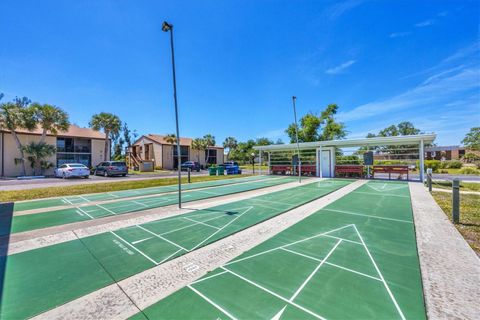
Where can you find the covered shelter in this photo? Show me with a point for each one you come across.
(327, 158)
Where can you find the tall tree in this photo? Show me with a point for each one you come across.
(209, 141)
(51, 119)
(170, 138)
(109, 123)
(318, 128)
(128, 135)
(14, 116)
(472, 139)
(404, 128)
(198, 145)
(230, 143)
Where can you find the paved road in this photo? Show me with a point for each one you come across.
(14, 184)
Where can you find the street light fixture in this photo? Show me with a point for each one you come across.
(294, 99)
(166, 27)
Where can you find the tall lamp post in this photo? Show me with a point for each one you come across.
(298, 145)
(166, 27)
(253, 161)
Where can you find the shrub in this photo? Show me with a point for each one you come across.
(158, 168)
(469, 170)
(389, 162)
(454, 164)
(433, 164)
(471, 157)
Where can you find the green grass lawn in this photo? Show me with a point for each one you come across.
(19, 195)
(464, 186)
(469, 225)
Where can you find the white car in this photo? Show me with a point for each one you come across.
(69, 170)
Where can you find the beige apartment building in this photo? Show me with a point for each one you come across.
(77, 145)
(154, 147)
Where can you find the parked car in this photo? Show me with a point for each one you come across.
(111, 168)
(194, 166)
(232, 167)
(69, 170)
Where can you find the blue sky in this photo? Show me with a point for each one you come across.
(239, 63)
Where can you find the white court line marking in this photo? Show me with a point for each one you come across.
(332, 264)
(347, 240)
(366, 215)
(199, 222)
(382, 194)
(188, 226)
(170, 256)
(84, 212)
(113, 195)
(380, 274)
(102, 207)
(287, 245)
(209, 277)
(211, 302)
(140, 204)
(164, 239)
(134, 248)
(233, 220)
(139, 241)
(84, 198)
(314, 271)
(279, 313)
(274, 294)
(269, 201)
(68, 201)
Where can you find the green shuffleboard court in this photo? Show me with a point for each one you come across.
(50, 218)
(354, 259)
(66, 271)
(116, 195)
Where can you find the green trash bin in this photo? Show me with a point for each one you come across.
(221, 171)
(212, 171)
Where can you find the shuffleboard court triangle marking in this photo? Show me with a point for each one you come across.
(279, 314)
(392, 297)
(384, 187)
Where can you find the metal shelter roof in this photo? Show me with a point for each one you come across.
(375, 141)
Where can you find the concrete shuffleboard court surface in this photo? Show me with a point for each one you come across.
(117, 195)
(354, 259)
(50, 218)
(69, 270)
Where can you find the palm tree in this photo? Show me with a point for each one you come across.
(170, 138)
(16, 115)
(230, 143)
(38, 151)
(51, 119)
(110, 124)
(209, 141)
(198, 144)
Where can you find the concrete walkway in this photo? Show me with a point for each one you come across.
(450, 268)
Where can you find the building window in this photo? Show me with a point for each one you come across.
(211, 156)
(184, 151)
(63, 158)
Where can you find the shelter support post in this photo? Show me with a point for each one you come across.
(260, 162)
(421, 157)
(269, 159)
(320, 156)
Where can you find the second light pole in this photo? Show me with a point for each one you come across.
(298, 145)
(166, 27)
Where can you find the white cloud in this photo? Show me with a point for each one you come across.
(340, 8)
(399, 34)
(436, 89)
(340, 68)
(425, 23)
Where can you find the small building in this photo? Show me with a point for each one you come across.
(155, 148)
(444, 153)
(77, 145)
